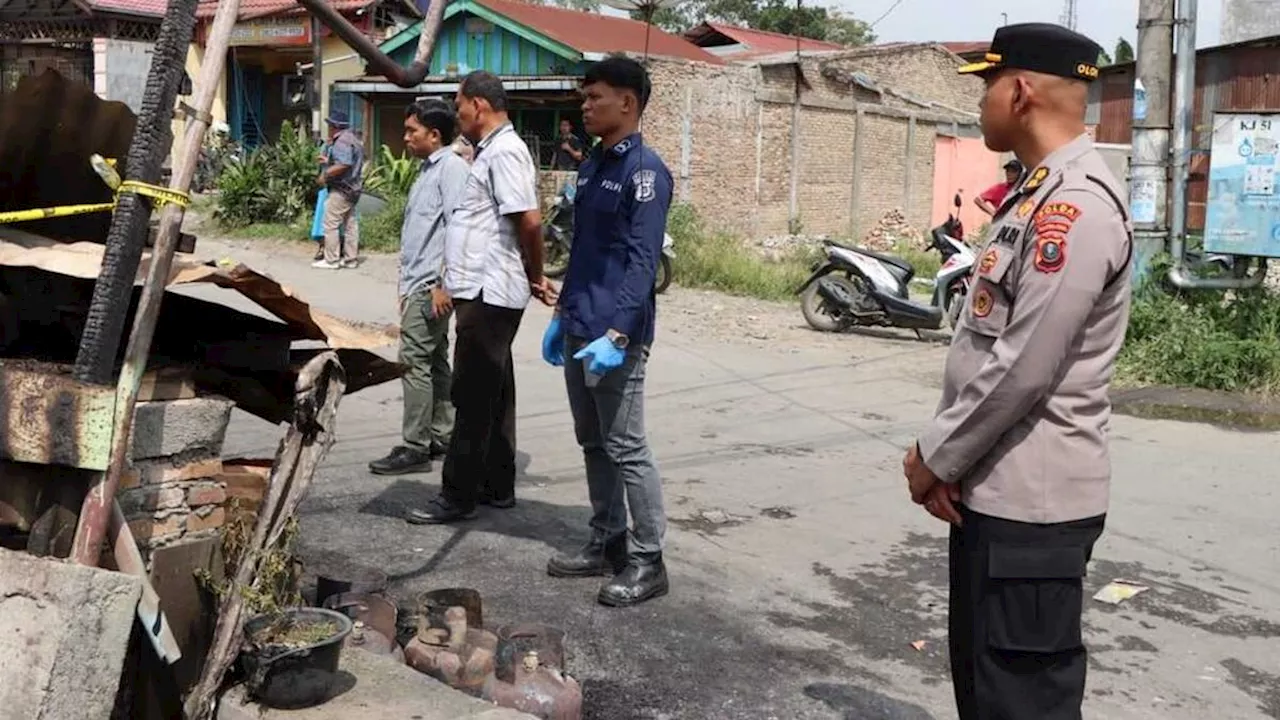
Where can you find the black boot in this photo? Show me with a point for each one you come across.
(401, 461)
(596, 558)
(640, 581)
(440, 511)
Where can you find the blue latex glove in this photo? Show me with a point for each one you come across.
(605, 356)
(553, 343)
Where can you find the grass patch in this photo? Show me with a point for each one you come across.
(1202, 338)
(380, 233)
(718, 261)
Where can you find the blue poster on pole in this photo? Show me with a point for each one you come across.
(1242, 216)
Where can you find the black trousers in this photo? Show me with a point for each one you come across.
(482, 451)
(1017, 593)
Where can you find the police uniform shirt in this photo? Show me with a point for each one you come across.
(1024, 414)
(620, 217)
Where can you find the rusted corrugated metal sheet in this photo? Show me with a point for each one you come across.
(1236, 77)
(1115, 123)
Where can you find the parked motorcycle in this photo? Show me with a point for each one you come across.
(557, 237)
(855, 287)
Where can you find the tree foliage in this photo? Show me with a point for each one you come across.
(1124, 51)
(780, 16)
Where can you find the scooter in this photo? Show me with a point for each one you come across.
(855, 287)
(557, 237)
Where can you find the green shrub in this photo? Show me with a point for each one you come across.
(390, 175)
(1202, 338)
(272, 184)
(719, 261)
(381, 232)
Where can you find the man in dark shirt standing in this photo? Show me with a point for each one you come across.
(343, 177)
(605, 324)
(571, 150)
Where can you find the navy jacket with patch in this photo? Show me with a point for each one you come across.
(623, 196)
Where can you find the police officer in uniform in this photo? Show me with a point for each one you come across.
(1016, 456)
(602, 331)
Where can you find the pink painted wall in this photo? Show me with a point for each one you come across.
(963, 165)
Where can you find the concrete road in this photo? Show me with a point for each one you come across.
(802, 574)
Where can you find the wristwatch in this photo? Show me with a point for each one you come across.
(618, 339)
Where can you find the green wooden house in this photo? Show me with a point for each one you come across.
(540, 53)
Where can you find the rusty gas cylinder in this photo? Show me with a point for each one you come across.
(366, 638)
(457, 655)
(542, 691)
(373, 609)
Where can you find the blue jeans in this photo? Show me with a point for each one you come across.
(608, 419)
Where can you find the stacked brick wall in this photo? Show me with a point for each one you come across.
(173, 491)
(740, 121)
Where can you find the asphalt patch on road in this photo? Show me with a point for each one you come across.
(1261, 686)
(858, 703)
(886, 607)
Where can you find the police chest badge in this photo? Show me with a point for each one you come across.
(645, 180)
(982, 303)
(988, 262)
(1052, 223)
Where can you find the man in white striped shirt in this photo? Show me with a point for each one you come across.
(493, 265)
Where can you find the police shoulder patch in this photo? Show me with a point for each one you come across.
(1052, 224)
(1051, 253)
(645, 180)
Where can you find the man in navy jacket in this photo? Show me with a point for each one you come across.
(605, 324)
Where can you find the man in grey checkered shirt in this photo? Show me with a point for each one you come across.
(493, 265)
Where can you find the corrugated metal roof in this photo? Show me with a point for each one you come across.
(589, 32)
(754, 43)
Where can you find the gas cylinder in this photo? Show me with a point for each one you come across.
(366, 638)
(457, 655)
(542, 691)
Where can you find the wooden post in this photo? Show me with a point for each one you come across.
(95, 514)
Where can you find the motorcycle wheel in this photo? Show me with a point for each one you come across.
(555, 261)
(664, 275)
(955, 305)
(818, 313)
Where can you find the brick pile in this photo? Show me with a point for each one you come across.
(892, 229)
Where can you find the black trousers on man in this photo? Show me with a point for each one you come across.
(1017, 593)
(482, 451)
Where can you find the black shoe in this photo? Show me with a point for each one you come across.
(319, 254)
(437, 451)
(439, 511)
(489, 500)
(401, 461)
(595, 559)
(637, 583)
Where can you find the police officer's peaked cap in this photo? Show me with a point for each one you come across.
(1040, 47)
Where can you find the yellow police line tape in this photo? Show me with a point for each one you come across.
(161, 195)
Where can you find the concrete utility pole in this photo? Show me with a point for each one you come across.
(1150, 160)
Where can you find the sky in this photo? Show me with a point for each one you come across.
(949, 21)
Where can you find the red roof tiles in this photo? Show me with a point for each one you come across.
(250, 9)
(144, 8)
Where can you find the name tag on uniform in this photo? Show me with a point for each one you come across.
(1008, 236)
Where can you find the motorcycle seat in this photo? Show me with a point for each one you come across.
(896, 262)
